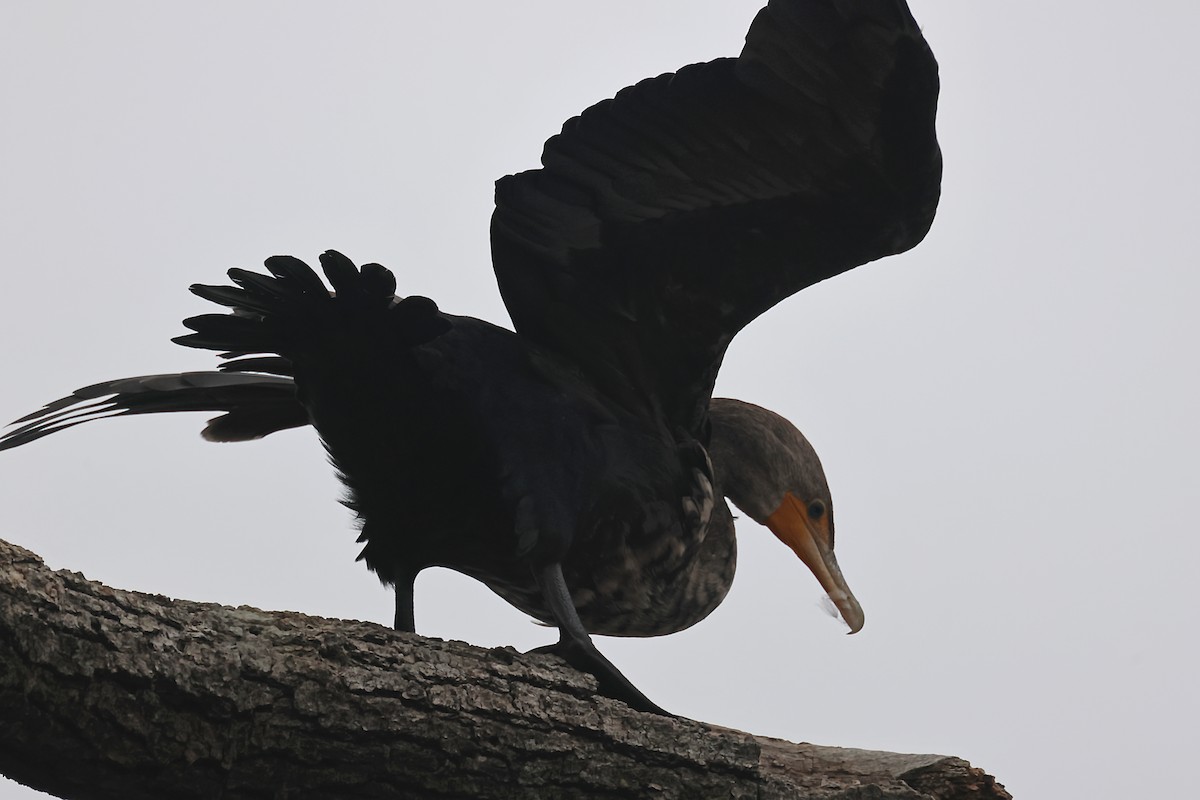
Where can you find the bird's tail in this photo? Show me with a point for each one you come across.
(352, 353)
(253, 405)
(291, 315)
(332, 343)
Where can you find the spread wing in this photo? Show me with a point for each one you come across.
(667, 218)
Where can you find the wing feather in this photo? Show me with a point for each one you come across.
(667, 218)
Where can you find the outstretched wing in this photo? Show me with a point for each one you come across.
(666, 219)
(253, 405)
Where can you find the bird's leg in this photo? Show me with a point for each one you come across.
(404, 604)
(575, 644)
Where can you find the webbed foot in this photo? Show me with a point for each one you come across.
(576, 648)
(584, 657)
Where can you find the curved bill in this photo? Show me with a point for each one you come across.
(812, 541)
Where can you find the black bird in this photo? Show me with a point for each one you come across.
(578, 466)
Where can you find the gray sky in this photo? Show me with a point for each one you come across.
(1007, 414)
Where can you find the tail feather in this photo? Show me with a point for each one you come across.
(213, 331)
(293, 269)
(270, 365)
(341, 272)
(273, 320)
(264, 286)
(254, 405)
(230, 296)
(290, 312)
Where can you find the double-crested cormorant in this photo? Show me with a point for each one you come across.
(578, 466)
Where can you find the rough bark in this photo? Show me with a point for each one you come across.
(107, 693)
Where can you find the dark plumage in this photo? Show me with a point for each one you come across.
(578, 466)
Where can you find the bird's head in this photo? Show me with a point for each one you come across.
(770, 471)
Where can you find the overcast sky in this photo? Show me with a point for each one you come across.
(1007, 414)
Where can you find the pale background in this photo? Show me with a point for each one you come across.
(1007, 414)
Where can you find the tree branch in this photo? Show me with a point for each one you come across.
(107, 693)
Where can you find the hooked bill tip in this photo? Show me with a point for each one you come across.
(852, 618)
